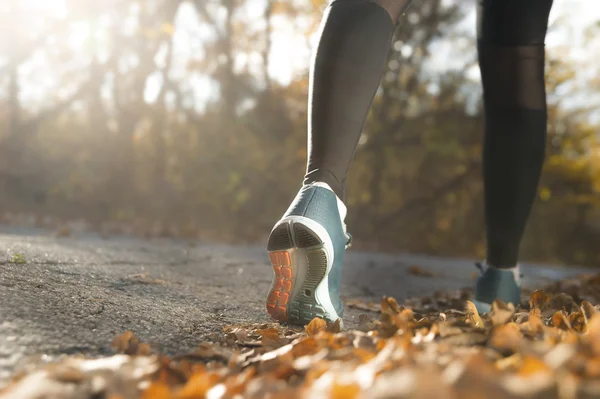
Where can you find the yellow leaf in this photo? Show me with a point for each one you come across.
(473, 315)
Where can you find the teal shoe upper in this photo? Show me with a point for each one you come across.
(320, 204)
(497, 284)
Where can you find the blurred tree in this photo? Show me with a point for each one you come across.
(163, 117)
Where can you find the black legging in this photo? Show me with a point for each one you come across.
(354, 42)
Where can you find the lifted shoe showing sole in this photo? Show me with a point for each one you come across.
(300, 261)
(302, 255)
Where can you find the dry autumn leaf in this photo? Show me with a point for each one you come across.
(157, 390)
(552, 347)
(417, 270)
(531, 365)
(473, 315)
(538, 300)
(129, 344)
(506, 338)
(501, 312)
(198, 385)
(315, 326)
(559, 320)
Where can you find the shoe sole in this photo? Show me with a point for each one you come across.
(301, 254)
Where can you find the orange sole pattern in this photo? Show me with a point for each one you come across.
(279, 297)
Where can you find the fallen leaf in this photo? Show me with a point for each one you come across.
(501, 313)
(559, 320)
(270, 338)
(344, 391)
(315, 326)
(129, 344)
(506, 338)
(389, 305)
(334, 327)
(157, 390)
(531, 365)
(534, 325)
(365, 323)
(563, 302)
(305, 347)
(538, 300)
(360, 305)
(511, 363)
(473, 315)
(417, 270)
(588, 311)
(198, 385)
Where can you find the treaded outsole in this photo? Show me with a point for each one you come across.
(298, 255)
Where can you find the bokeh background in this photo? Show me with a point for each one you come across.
(188, 119)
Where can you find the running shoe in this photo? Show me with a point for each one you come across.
(494, 283)
(306, 248)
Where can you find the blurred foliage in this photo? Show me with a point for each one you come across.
(223, 158)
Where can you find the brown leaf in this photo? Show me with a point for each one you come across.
(562, 301)
(532, 365)
(417, 270)
(360, 305)
(593, 333)
(510, 363)
(501, 313)
(270, 338)
(365, 323)
(588, 311)
(157, 390)
(506, 338)
(538, 299)
(334, 327)
(578, 321)
(405, 320)
(473, 315)
(305, 347)
(239, 334)
(534, 325)
(315, 326)
(66, 374)
(389, 305)
(592, 368)
(559, 320)
(197, 386)
(129, 344)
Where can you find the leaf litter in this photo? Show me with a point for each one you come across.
(432, 347)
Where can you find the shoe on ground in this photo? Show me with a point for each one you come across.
(495, 283)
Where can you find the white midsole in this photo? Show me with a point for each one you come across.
(322, 291)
